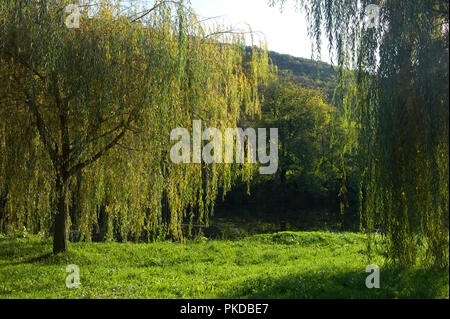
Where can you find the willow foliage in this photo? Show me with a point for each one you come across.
(394, 88)
(86, 115)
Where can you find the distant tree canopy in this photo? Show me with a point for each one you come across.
(306, 150)
(393, 83)
(311, 142)
(86, 115)
(302, 119)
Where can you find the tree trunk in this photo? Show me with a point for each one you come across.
(3, 201)
(283, 177)
(165, 209)
(60, 231)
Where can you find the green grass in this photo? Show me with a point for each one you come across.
(281, 265)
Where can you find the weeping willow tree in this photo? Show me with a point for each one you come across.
(86, 115)
(393, 74)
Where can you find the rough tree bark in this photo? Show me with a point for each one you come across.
(60, 231)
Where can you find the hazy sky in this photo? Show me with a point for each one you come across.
(285, 32)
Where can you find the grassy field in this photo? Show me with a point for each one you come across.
(280, 265)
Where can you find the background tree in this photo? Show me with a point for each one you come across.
(302, 118)
(310, 185)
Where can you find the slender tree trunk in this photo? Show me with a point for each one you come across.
(283, 177)
(3, 202)
(60, 231)
(165, 209)
(74, 208)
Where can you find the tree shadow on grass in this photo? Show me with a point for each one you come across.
(394, 283)
(15, 252)
(29, 260)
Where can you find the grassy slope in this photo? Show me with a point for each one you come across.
(282, 265)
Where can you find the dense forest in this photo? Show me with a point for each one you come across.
(297, 100)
